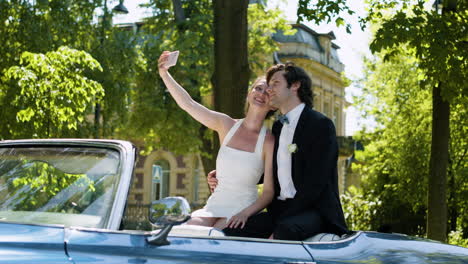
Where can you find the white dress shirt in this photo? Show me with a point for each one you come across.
(283, 157)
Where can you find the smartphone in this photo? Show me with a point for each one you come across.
(172, 59)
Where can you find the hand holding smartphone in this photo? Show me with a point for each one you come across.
(172, 59)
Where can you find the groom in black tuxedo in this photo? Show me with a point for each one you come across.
(306, 200)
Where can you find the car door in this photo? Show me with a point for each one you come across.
(21, 243)
(99, 246)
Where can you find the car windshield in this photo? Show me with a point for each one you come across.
(71, 186)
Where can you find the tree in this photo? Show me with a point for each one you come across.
(154, 116)
(44, 26)
(116, 50)
(324, 11)
(38, 27)
(118, 56)
(396, 158)
(231, 67)
(51, 91)
(232, 22)
(439, 40)
(36, 183)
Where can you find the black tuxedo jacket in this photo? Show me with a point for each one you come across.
(314, 171)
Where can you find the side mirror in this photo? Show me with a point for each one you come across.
(166, 213)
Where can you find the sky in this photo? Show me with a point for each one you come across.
(353, 47)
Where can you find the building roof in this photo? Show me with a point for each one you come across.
(305, 35)
(312, 40)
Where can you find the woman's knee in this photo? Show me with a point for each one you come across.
(202, 221)
(220, 223)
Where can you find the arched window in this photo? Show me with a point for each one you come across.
(160, 179)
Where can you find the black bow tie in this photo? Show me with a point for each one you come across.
(283, 119)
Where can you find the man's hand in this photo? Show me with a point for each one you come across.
(212, 181)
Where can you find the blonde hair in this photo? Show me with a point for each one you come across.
(246, 107)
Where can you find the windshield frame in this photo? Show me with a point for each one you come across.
(127, 153)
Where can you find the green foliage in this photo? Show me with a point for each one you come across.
(43, 26)
(154, 116)
(38, 183)
(458, 166)
(359, 210)
(38, 27)
(395, 162)
(53, 92)
(262, 25)
(439, 40)
(324, 11)
(118, 54)
(456, 238)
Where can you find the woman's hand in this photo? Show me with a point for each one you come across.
(162, 62)
(238, 220)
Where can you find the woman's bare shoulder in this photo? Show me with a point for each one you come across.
(226, 124)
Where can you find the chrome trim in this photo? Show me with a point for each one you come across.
(352, 237)
(127, 158)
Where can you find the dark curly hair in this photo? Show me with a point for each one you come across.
(292, 74)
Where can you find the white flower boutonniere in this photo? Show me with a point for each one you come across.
(292, 148)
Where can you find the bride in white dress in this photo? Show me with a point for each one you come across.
(245, 154)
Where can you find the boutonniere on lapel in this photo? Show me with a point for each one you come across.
(292, 148)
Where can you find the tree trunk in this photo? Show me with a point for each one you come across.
(97, 116)
(179, 12)
(437, 197)
(452, 199)
(231, 74)
(210, 149)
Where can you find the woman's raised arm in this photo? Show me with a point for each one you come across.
(219, 122)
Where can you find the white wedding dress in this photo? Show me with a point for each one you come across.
(238, 173)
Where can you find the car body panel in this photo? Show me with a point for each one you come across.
(90, 246)
(70, 241)
(373, 247)
(20, 243)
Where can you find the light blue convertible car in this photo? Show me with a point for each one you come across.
(63, 201)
